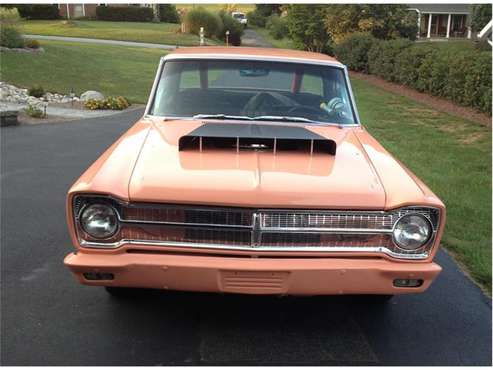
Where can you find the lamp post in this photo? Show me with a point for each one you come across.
(202, 36)
(227, 38)
(72, 95)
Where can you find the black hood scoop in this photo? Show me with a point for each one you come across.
(260, 137)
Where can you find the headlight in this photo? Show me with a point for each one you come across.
(99, 221)
(412, 231)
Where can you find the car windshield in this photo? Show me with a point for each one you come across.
(241, 89)
(240, 16)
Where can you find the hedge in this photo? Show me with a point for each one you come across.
(200, 17)
(10, 37)
(463, 76)
(235, 28)
(168, 13)
(38, 11)
(124, 13)
(353, 51)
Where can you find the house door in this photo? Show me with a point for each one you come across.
(78, 11)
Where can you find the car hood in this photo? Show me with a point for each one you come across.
(248, 178)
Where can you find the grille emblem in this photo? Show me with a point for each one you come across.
(256, 233)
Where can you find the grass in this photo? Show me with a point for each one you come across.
(452, 156)
(113, 70)
(156, 33)
(285, 43)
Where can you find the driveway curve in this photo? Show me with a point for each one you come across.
(102, 41)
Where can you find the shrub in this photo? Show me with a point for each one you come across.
(234, 27)
(407, 65)
(113, 103)
(277, 26)
(9, 15)
(256, 19)
(382, 55)
(34, 111)
(477, 86)
(463, 76)
(32, 44)
(37, 91)
(200, 17)
(10, 37)
(124, 13)
(168, 13)
(353, 51)
(38, 11)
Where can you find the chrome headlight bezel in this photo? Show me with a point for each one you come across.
(101, 210)
(416, 223)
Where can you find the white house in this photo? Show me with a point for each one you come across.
(445, 21)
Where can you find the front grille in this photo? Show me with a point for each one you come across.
(186, 234)
(257, 229)
(316, 220)
(188, 215)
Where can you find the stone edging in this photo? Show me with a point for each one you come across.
(23, 50)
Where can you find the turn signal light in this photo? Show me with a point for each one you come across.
(408, 283)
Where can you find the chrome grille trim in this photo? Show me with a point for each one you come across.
(226, 247)
(253, 230)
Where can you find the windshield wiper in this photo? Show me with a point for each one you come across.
(283, 119)
(257, 118)
(221, 116)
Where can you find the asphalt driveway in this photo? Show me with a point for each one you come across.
(48, 319)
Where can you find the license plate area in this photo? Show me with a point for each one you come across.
(254, 282)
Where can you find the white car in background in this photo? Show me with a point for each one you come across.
(240, 17)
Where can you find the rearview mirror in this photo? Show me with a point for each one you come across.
(254, 72)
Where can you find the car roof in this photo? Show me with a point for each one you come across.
(254, 52)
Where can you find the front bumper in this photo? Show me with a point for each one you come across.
(296, 276)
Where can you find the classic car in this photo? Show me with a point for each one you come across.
(251, 172)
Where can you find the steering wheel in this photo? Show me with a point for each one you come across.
(262, 103)
(306, 110)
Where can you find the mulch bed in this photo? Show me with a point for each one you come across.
(437, 103)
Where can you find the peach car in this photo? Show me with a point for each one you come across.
(251, 172)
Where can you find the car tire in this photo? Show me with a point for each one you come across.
(120, 292)
(381, 298)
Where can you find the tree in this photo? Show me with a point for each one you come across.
(266, 10)
(380, 20)
(168, 13)
(306, 26)
(480, 16)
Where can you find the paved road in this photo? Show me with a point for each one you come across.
(48, 319)
(101, 41)
(252, 38)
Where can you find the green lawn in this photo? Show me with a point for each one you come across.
(285, 43)
(113, 70)
(157, 33)
(452, 156)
